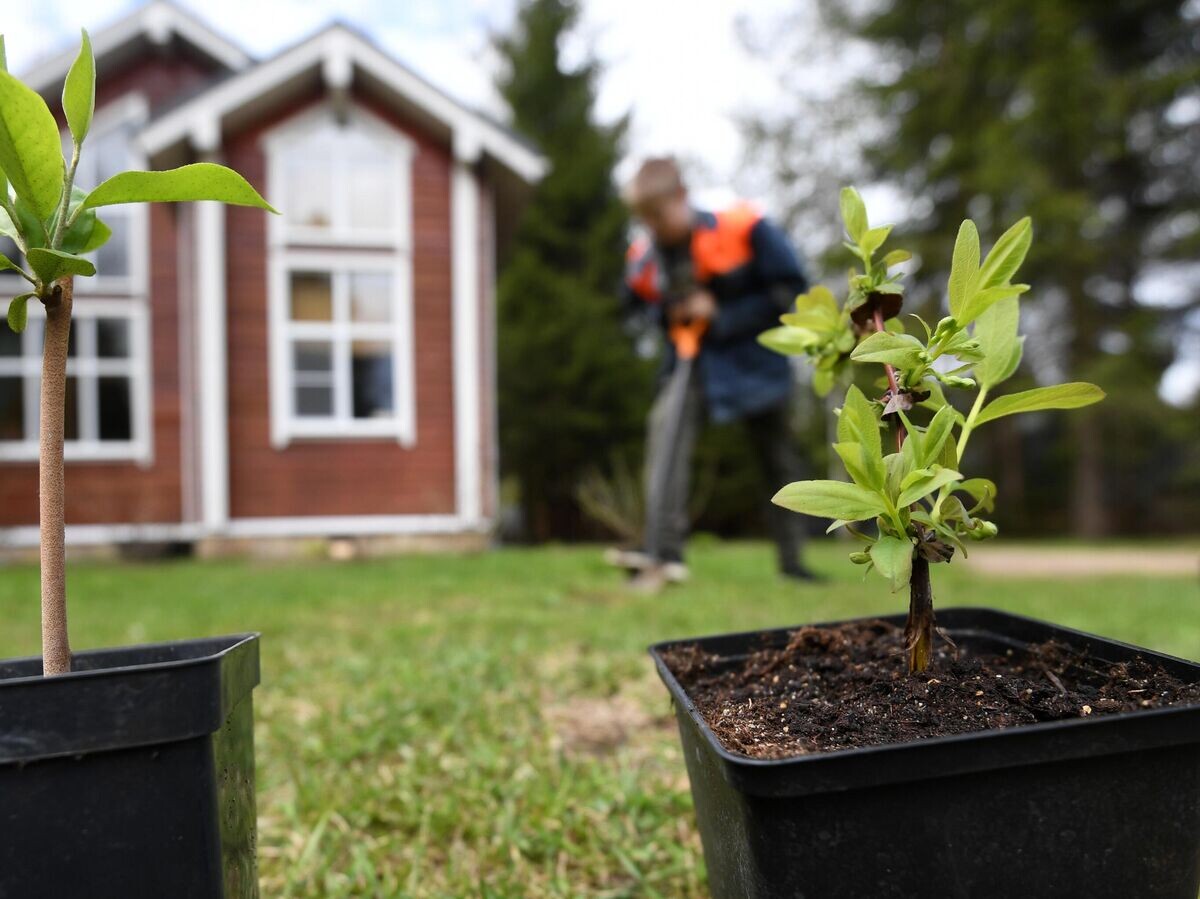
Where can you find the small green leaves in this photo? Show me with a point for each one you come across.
(964, 267)
(924, 481)
(996, 332)
(50, 265)
(854, 213)
(1007, 255)
(893, 559)
(864, 469)
(830, 499)
(941, 426)
(900, 350)
(18, 312)
(79, 91)
(30, 151)
(198, 181)
(859, 423)
(1061, 396)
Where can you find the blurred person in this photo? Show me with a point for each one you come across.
(713, 281)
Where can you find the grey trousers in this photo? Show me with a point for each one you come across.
(669, 463)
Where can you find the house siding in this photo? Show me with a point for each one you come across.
(341, 477)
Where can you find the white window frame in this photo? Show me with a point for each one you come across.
(86, 366)
(340, 251)
(100, 297)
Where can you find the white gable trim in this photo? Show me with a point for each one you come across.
(465, 281)
(337, 50)
(157, 21)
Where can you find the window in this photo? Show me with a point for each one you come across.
(108, 376)
(341, 270)
(107, 405)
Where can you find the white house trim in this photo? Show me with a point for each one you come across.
(213, 374)
(156, 21)
(27, 536)
(340, 46)
(464, 225)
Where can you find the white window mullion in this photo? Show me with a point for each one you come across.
(343, 406)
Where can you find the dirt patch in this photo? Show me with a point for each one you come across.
(1068, 562)
(846, 686)
(596, 726)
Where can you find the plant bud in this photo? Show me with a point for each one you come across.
(860, 558)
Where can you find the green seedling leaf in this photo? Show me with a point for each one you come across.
(98, 237)
(873, 239)
(982, 300)
(996, 332)
(1061, 396)
(865, 470)
(964, 267)
(941, 427)
(830, 499)
(922, 482)
(789, 340)
(900, 350)
(859, 423)
(7, 264)
(50, 265)
(982, 491)
(198, 181)
(1007, 255)
(895, 257)
(79, 91)
(30, 150)
(18, 312)
(854, 213)
(893, 558)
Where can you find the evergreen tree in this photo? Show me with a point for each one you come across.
(1083, 115)
(572, 390)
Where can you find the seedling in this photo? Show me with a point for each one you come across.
(917, 505)
(55, 226)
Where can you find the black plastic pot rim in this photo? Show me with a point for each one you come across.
(799, 762)
(232, 641)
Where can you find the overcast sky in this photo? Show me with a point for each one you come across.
(681, 73)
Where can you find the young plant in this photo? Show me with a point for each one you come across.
(921, 505)
(54, 225)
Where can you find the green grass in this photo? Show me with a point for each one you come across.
(491, 725)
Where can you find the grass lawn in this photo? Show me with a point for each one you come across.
(491, 725)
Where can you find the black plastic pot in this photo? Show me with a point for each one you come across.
(132, 777)
(1093, 807)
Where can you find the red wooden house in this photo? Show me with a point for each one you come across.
(326, 372)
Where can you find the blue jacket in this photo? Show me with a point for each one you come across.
(751, 269)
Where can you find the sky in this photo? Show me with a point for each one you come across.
(653, 55)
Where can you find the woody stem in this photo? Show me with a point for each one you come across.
(893, 383)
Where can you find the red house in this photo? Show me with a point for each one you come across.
(327, 372)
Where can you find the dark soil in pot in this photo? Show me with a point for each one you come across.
(846, 686)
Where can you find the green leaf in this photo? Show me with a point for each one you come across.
(854, 213)
(7, 264)
(30, 149)
(893, 557)
(859, 423)
(198, 181)
(900, 350)
(97, 238)
(981, 490)
(873, 239)
(996, 331)
(18, 312)
(789, 340)
(1007, 255)
(862, 468)
(50, 265)
(895, 257)
(830, 499)
(982, 300)
(79, 91)
(941, 426)
(964, 267)
(922, 482)
(1061, 396)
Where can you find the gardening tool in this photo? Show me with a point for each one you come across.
(686, 337)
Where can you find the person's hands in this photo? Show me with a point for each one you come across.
(700, 304)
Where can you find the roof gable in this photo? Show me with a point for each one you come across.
(339, 56)
(155, 23)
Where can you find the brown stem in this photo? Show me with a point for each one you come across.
(918, 630)
(892, 382)
(56, 650)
